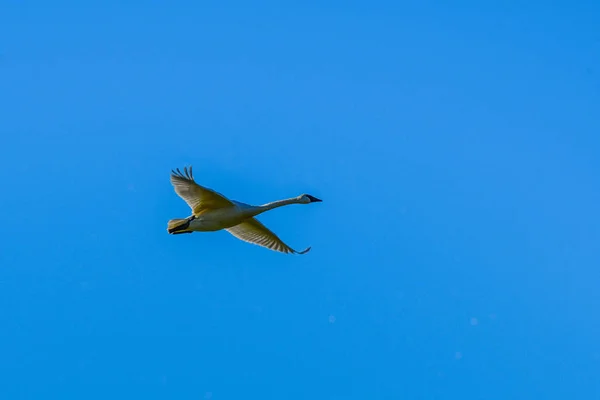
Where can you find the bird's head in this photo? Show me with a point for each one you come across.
(307, 198)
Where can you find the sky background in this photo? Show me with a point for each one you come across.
(455, 146)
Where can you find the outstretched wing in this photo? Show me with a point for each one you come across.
(199, 198)
(252, 231)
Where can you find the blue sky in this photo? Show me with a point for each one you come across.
(455, 255)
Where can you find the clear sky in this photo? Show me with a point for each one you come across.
(456, 148)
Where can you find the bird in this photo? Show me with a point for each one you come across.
(212, 211)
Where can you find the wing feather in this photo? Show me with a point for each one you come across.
(198, 197)
(253, 231)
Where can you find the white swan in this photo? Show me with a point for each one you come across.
(211, 211)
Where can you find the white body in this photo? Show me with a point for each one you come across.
(223, 218)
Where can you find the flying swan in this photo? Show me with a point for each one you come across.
(211, 211)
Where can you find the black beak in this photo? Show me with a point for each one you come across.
(313, 199)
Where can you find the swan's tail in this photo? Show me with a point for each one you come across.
(176, 226)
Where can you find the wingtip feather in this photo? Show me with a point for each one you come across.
(186, 174)
(304, 251)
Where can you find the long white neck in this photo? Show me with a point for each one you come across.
(276, 204)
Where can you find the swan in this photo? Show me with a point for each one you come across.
(211, 211)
